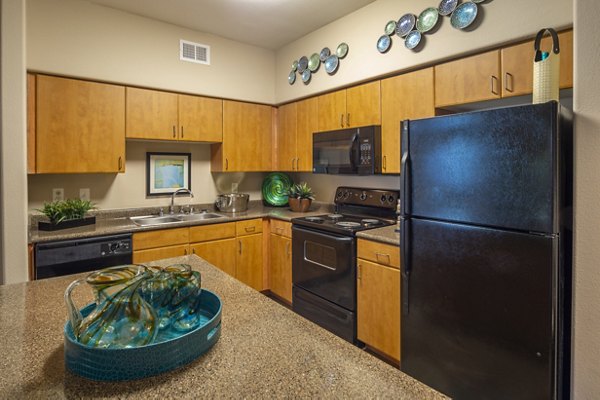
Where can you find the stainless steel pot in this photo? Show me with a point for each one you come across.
(232, 202)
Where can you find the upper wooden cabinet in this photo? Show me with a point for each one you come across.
(31, 123)
(356, 106)
(296, 123)
(80, 126)
(247, 134)
(407, 96)
(498, 73)
(517, 65)
(467, 80)
(153, 114)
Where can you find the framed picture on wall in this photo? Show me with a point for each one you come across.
(167, 172)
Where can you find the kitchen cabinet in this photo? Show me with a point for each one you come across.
(281, 259)
(499, 73)
(378, 298)
(249, 260)
(80, 126)
(153, 114)
(216, 244)
(517, 65)
(296, 123)
(468, 79)
(30, 123)
(356, 106)
(247, 135)
(164, 243)
(406, 96)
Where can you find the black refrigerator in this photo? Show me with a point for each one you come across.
(486, 243)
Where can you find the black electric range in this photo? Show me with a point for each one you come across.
(324, 256)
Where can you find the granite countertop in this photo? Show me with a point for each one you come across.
(265, 351)
(383, 235)
(112, 222)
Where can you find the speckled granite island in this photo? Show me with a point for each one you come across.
(265, 351)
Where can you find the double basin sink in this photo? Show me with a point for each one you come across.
(147, 220)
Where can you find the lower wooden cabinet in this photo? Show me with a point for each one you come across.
(220, 253)
(249, 260)
(378, 307)
(281, 266)
(144, 256)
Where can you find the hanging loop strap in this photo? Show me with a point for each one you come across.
(538, 41)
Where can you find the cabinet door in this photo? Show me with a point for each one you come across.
(378, 307)
(220, 253)
(517, 65)
(205, 233)
(363, 105)
(143, 256)
(286, 137)
(160, 238)
(200, 119)
(408, 96)
(281, 267)
(467, 80)
(307, 124)
(80, 126)
(249, 261)
(31, 124)
(332, 111)
(247, 131)
(151, 114)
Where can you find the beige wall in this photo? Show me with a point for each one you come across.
(501, 21)
(587, 199)
(81, 39)
(129, 189)
(13, 204)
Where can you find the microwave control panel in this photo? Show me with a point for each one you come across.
(366, 153)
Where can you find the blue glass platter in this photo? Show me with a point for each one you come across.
(170, 350)
(464, 15)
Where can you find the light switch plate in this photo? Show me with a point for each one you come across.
(84, 194)
(58, 194)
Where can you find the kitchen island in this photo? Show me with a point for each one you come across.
(265, 351)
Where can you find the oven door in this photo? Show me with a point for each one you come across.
(325, 264)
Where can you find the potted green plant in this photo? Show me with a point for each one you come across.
(300, 197)
(65, 214)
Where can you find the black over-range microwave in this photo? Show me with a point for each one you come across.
(355, 151)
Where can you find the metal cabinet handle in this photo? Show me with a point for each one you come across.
(174, 131)
(297, 163)
(120, 163)
(377, 255)
(287, 249)
(240, 246)
(278, 229)
(293, 160)
(250, 228)
(182, 131)
(348, 119)
(384, 163)
(506, 80)
(226, 164)
(342, 120)
(194, 251)
(359, 272)
(185, 251)
(494, 79)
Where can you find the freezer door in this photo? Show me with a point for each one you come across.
(478, 311)
(496, 168)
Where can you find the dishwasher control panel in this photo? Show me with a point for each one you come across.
(118, 247)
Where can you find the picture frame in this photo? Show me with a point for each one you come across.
(167, 172)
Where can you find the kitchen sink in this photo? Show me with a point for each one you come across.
(147, 220)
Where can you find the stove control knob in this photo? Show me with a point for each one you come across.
(363, 196)
(391, 199)
(339, 194)
(346, 194)
(382, 198)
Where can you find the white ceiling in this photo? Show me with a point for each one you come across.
(265, 23)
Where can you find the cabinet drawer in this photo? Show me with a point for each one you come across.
(144, 256)
(381, 253)
(212, 232)
(282, 228)
(248, 227)
(165, 237)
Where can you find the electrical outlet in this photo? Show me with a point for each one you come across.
(234, 187)
(58, 194)
(84, 194)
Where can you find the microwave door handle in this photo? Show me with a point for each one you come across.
(353, 165)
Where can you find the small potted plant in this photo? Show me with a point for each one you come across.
(65, 214)
(300, 196)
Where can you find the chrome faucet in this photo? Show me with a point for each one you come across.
(182, 190)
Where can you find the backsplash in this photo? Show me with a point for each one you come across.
(324, 185)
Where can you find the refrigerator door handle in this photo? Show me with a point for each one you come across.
(405, 171)
(405, 256)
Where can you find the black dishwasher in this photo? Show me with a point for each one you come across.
(67, 257)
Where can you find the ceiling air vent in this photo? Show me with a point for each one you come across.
(194, 52)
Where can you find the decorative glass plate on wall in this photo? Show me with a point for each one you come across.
(275, 189)
(464, 15)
